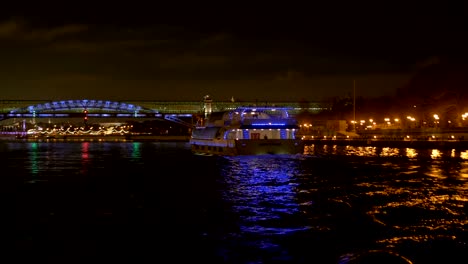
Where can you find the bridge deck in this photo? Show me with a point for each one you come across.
(170, 107)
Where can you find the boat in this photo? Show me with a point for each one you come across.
(247, 130)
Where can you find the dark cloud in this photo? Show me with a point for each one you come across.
(170, 52)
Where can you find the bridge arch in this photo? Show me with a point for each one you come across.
(64, 105)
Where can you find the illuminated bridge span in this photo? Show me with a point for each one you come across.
(81, 104)
(75, 108)
(132, 109)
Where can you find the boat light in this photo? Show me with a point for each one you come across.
(269, 124)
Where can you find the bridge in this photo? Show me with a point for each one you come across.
(82, 108)
(21, 115)
(79, 108)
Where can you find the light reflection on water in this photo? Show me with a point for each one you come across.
(436, 154)
(263, 190)
(33, 158)
(85, 157)
(315, 207)
(464, 155)
(411, 153)
(390, 152)
(397, 198)
(369, 151)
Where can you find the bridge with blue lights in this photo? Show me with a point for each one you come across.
(80, 108)
(131, 109)
(15, 114)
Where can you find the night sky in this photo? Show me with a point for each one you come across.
(268, 52)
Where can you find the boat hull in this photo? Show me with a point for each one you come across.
(247, 147)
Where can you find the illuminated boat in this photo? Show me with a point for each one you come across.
(247, 131)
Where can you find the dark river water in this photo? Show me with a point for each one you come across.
(151, 202)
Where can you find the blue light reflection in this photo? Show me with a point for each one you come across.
(33, 157)
(263, 191)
